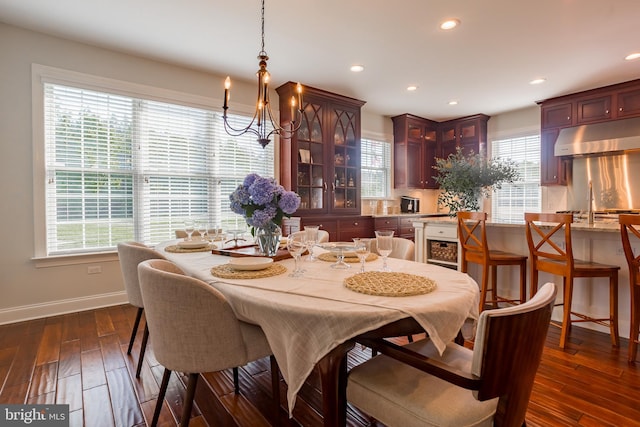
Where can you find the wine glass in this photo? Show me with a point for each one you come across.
(363, 249)
(189, 227)
(296, 245)
(203, 228)
(384, 242)
(311, 239)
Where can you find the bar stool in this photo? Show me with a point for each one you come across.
(547, 255)
(630, 224)
(472, 233)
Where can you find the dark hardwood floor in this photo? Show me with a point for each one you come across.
(81, 359)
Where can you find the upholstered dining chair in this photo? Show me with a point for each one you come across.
(402, 248)
(630, 231)
(412, 385)
(543, 230)
(472, 233)
(194, 329)
(131, 254)
(323, 235)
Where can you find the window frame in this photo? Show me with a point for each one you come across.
(41, 74)
(377, 138)
(533, 132)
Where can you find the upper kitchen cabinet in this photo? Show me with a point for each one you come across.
(414, 151)
(628, 102)
(603, 104)
(321, 161)
(468, 133)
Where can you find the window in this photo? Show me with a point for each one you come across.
(375, 168)
(121, 167)
(511, 201)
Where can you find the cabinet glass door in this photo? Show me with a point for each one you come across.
(346, 161)
(311, 180)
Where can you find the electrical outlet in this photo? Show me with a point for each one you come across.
(94, 269)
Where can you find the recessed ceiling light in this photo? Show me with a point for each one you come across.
(537, 81)
(453, 102)
(357, 68)
(449, 24)
(632, 56)
(412, 88)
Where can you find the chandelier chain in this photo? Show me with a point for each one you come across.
(262, 52)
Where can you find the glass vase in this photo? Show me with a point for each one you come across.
(268, 239)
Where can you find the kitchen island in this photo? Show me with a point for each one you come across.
(599, 242)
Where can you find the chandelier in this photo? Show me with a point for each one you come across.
(263, 115)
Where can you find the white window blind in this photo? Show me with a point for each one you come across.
(123, 168)
(511, 201)
(375, 168)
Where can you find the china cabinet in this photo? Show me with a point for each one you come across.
(321, 161)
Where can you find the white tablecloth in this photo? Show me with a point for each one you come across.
(305, 318)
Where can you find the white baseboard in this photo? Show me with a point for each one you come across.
(54, 308)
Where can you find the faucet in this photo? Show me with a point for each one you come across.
(590, 205)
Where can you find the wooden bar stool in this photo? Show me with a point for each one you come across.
(473, 241)
(547, 255)
(630, 225)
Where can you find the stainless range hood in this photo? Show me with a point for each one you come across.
(607, 137)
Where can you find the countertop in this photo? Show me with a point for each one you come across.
(419, 214)
(599, 226)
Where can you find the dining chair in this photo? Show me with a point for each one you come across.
(472, 233)
(414, 385)
(630, 231)
(195, 330)
(402, 248)
(130, 255)
(323, 235)
(551, 251)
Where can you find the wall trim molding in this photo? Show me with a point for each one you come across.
(55, 308)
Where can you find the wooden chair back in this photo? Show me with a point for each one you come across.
(549, 241)
(630, 226)
(472, 233)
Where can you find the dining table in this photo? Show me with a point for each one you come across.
(313, 320)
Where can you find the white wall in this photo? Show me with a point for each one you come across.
(30, 291)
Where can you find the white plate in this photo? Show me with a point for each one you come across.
(250, 263)
(192, 244)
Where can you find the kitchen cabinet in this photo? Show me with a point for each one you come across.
(401, 225)
(593, 109)
(468, 133)
(386, 223)
(557, 115)
(628, 103)
(553, 170)
(321, 161)
(414, 148)
(343, 229)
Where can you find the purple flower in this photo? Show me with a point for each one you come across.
(289, 202)
(262, 201)
(262, 191)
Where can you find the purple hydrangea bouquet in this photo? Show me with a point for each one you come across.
(264, 203)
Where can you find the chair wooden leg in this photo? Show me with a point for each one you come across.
(566, 309)
(135, 329)
(483, 288)
(523, 282)
(613, 309)
(494, 285)
(275, 389)
(188, 399)
(534, 280)
(161, 393)
(236, 380)
(143, 348)
(635, 322)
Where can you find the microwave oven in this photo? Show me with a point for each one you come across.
(409, 204)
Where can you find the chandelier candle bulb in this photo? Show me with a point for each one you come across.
(227, 85)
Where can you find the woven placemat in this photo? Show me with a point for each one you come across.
(225, 271)
(390, 284)
(178, 250)
(331, 257)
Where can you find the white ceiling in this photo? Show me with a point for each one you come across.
(485, 64)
